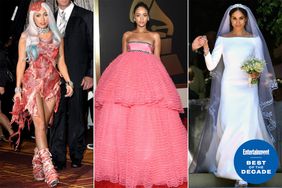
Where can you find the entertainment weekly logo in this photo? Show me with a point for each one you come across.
(255, 152)
(256, 161)
(257, 165)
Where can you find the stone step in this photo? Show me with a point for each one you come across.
(208, 180)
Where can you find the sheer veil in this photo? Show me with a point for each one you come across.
(204, 160)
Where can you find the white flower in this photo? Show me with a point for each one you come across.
(253, 66)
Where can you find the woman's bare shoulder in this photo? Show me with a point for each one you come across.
(23, 36)
(226, 35)
(155, 34)
(127, 34)
(230, 34)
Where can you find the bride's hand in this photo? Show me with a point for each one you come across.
(205, 41)
(255, 75)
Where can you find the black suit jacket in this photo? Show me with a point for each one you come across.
(78, 41)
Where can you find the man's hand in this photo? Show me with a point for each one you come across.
(87, 82)
(198, 42)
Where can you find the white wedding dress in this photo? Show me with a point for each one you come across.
(239, 115)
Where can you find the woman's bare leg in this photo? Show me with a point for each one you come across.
(47, 168)
(5, 122)
(49, 109)
(39, 124)
(45, 110)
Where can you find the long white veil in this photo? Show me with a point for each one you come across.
(204, 159)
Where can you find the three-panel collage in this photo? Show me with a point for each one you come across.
(140, 93)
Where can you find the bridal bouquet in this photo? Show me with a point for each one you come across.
(253, 67)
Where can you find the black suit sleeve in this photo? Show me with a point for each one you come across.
(89, 22)
(198, 51)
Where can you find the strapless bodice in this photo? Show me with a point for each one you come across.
(139, 46)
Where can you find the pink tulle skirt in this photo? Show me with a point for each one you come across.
(139, 137)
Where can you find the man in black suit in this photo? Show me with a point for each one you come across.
(76, 25)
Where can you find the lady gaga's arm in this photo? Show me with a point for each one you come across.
(21, 60)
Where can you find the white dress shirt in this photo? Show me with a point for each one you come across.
(63, 17)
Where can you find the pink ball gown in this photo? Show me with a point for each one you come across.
(41, 77)
(139, 137)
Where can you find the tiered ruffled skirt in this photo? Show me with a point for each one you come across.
(139, 137)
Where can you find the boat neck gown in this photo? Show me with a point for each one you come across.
(239, 115)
